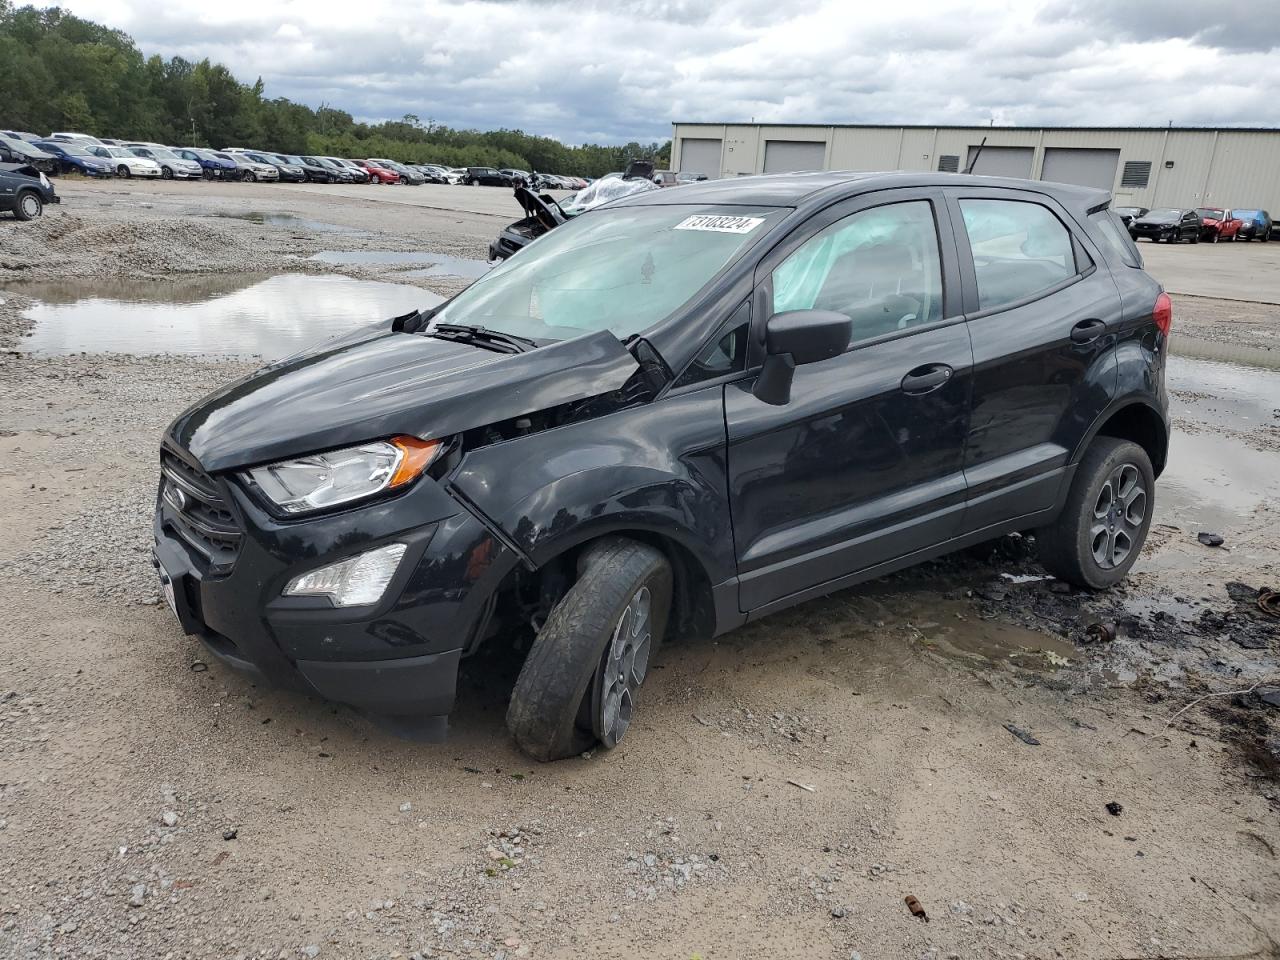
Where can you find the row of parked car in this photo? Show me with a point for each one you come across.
(1194, 224)
(64, 152)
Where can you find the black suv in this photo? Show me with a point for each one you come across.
(486, 177)
(673, 414)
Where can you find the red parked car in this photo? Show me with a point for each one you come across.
(1217, 224)
(378, 174)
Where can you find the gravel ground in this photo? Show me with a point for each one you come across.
(784, 789)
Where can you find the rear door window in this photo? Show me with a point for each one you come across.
(1020, 248)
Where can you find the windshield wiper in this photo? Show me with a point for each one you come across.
(482, 337)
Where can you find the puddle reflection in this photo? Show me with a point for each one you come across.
(220, 316)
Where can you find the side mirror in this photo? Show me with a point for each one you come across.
(794, 338)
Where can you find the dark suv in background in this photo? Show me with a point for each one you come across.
(486, 177)
(671, 415)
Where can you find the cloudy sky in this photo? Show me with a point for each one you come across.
(601, 71)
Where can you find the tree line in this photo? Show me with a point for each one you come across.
(61, 72)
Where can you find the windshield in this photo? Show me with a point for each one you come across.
(120, 153)
(158, 154)
(1209, 213)
(1165, 214)
(71, 150)
(20, 146)
(1128, 211)
(623, 270)
(1249, 214)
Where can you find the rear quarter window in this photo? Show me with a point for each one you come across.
(1115, 238)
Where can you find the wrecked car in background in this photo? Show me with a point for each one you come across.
(675, 413)
(25, 190)
(542, 213)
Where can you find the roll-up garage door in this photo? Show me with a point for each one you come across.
(700, 155)
(1088, 168)
(1001, 161)
(784, 156)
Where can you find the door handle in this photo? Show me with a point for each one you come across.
(1087, 331)
(927, 378)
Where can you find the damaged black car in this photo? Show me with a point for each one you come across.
(676, 413)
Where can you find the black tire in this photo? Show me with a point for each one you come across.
(28, 205)
(1195, 237)
(166, 173)
(123, 171)
(473, 182)
(1216, 237)
(1069, 547)
(554, 709)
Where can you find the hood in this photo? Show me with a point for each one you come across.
(543, 209)
(23, 168)
(378, 382)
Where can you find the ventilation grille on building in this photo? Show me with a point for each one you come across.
(1137, 173)
(949, 163)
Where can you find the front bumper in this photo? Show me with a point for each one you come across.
(397, 658)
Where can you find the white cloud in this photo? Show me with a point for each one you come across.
(619, 71)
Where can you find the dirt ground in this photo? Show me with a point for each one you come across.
(786, 786)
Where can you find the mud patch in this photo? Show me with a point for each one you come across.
(433, 264)
(289, 221)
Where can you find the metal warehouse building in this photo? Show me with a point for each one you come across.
(1142, 166)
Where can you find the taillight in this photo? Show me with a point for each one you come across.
(1163, 313)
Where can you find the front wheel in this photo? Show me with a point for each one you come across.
(123, 171)
(166, 173)
(1195, 237)
(473, 182)
(579, 683)
(29, 205)
(1098, 535)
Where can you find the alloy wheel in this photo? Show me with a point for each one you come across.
(1118, 516)
(626, 661)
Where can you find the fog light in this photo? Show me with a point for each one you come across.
(352, 582)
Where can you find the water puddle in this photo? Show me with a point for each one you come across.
(208, 316)
(290, 221)
(988, 640)
(1226, 462)
(435, 264)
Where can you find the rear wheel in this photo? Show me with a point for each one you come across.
(579, 683)
(1097, 537)
(29, 205)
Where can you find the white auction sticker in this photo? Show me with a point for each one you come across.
(720, 224)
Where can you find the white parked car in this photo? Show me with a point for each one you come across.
(128, 163)
(172, 166)
(73, 138)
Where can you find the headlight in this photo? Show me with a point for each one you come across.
(44, 181)
(325, 480)
(359, 580)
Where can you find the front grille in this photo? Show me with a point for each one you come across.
(197, 511)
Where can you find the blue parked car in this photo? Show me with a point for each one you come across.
(1254, 225)
(212, 165)
(76, 158)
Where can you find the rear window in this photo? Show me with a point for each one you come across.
(1020, 249)
(1115, 237)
